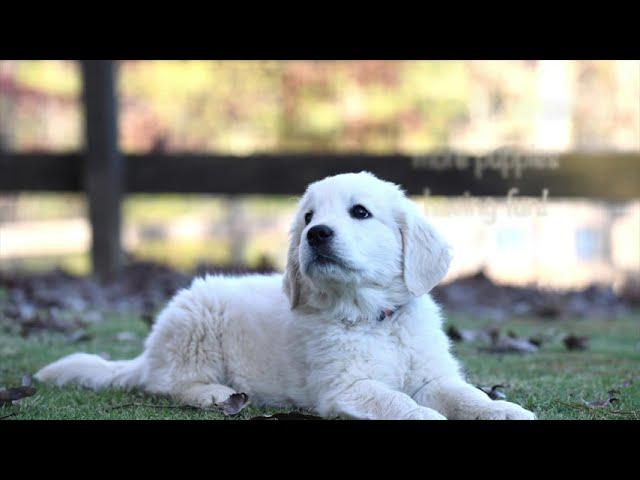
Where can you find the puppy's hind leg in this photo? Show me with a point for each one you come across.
(186, 351)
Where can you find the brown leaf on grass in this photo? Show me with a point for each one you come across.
(126, 337)
(466, 335)
(502, 344)
(573, 342)
(148, 318)
(494, 334)
(480, 296)
(611, 399)
(499, 343)
(234, 404)
(148, 312)
(287, 416)
(493, 392)
(79, 336)
(536, 340)
(18, 393)
(454, 334)
(602, 403)
(37, 320)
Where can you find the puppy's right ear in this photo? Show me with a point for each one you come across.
(426, 254)
(291, 280)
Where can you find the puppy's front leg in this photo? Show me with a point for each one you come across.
(459, 400)
(372, 400)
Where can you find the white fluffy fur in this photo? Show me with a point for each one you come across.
(318, 342)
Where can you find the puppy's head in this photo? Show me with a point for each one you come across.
(354, 230)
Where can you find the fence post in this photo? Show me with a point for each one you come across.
(103, 165)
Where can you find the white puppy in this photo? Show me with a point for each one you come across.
(349, 331)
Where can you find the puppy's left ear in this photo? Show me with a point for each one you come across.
(291, 279)
(426, 256)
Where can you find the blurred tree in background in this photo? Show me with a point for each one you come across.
(243, 107)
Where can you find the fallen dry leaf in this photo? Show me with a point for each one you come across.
(234, 404)
(493, 392)
(288, 416)
(478, 295)
(573, 342)
(10, 395)
(536, 340)
(602, 403)
(502, 344)
(466, 335)
(79, 336)
(454, 334)
(126, 337)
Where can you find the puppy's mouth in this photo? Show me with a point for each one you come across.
(325, 260)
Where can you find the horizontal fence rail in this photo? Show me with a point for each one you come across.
(607, 176)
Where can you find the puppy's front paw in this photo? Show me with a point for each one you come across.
(502, 410)
(424, 413)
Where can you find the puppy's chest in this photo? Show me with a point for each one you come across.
(383, 352)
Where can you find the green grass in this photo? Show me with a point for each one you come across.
(552, 382)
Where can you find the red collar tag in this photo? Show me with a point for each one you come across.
(386, 313)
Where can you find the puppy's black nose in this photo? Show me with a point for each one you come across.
(319, 235)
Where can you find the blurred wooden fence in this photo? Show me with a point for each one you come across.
(105, 174)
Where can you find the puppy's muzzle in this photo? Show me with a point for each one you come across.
(319, 236)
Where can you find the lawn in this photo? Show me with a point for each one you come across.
(553, 382)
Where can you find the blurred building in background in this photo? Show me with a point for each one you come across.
(409, 107)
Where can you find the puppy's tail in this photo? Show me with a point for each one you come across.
(93, 371)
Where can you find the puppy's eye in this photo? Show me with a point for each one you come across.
(307, 217)
(359, 212)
